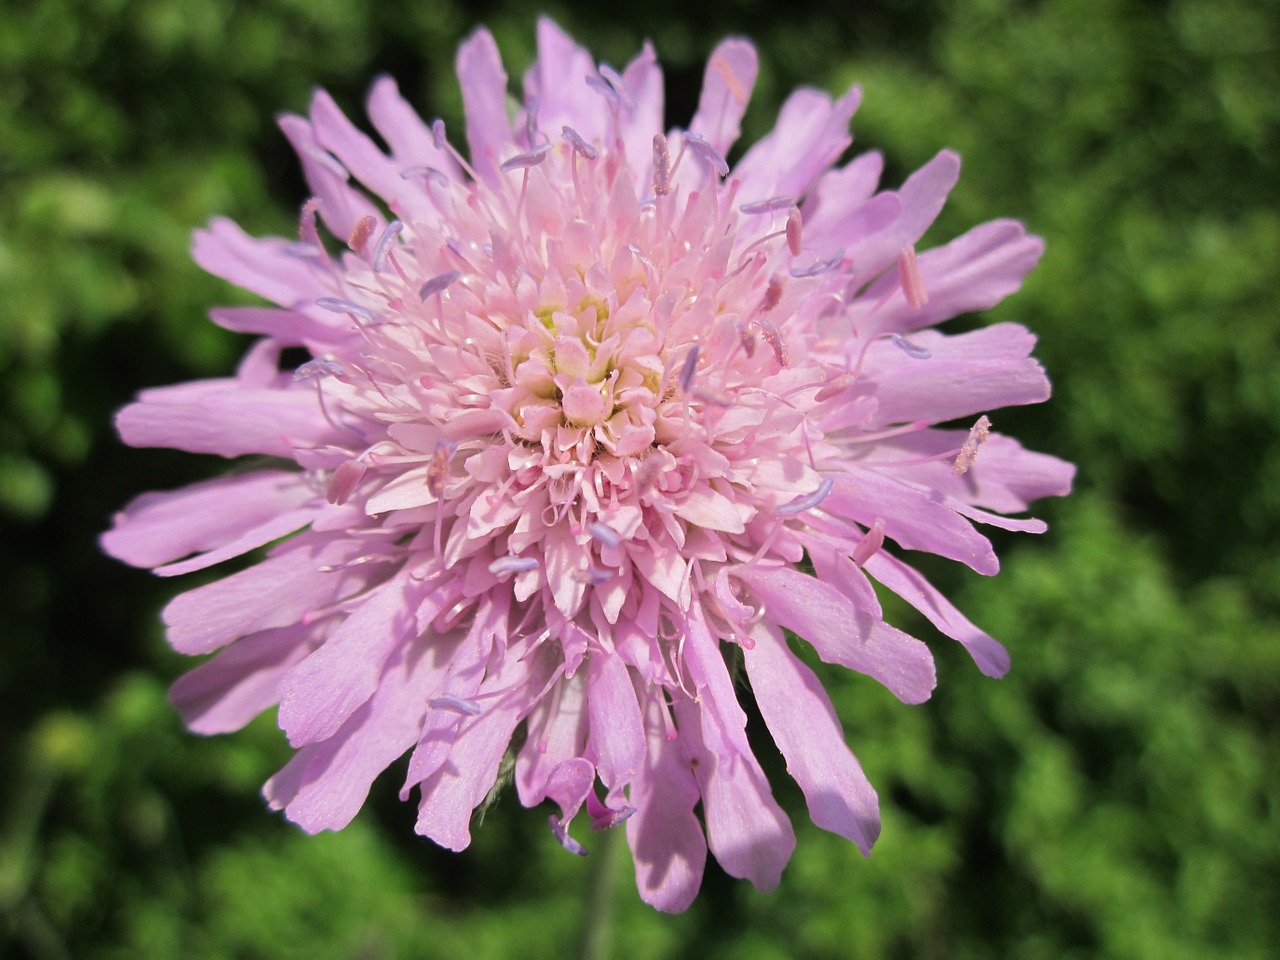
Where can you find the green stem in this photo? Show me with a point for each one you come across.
(597, 940)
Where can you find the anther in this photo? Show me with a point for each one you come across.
(344, 481)
(318, 369)
(530, 158)
(707, 152)
(661, 166)
(806, 502)
(580, 146)
(772, 294)
(619, 86)
(772, 205)
(604, 533)
(431, 174)
(437, 284)
(438, 469)
(531, 119)
(326, 160)
(437, 133)
(773, 337)
(504, 566)
(361, 233)
(688, 370)
(870, 543)
(978, 434)
(454, 704)
(384, 245)
(912, 350)
(821, 267)
(338, 305)
(909, 276)
(794, 235)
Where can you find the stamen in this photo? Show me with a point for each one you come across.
(593, 576)
(794, 236)
(773, 337)
(318, 369)
(580, 146)
(304, 251)
(604, 533)
(772, 205)
(978, 434)
(338, 305)
(505, 566)
(439, 468)
(772, 294)
(909, 276)
(661, 166)
(690, 367)
(384, 245)
(437, 134)
(707, 152)
(614, 80)
(431, 174)
(344, 481)
(912, 350)
(530, 158)
(454, 704)
(870, 543)
(823, 266)
(561, 830)
(326, 160)
(437, 284)
(360, 233)
(806, 502)
(602, 88)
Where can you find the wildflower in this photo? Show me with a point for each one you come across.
(540, 478)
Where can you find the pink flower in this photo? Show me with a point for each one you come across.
(578, 410)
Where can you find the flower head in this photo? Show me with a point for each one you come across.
(577, 409)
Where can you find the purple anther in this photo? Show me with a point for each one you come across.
(604, 533)
(437, 133)
(438, 469)
(687, 371)
(661, 166)
(605, 818)
(707, 152)
(318, 369)
(912, 350)
(430, 174)
(819, 268)
(580, 146)
(384, 245)
(795, 236)
(909, 275)
(619, 86)
(338, 305)
(806, 502)
(505, 566)
(772, 205)
(437, 284)
(561, 830)
(601, 87)
(304, 251)
(468, 708)
(530, 158)
(326, 160)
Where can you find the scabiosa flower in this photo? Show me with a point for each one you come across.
(588, 417)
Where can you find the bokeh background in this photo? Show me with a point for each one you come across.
(1116, 796)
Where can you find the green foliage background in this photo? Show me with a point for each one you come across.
(1116, 796)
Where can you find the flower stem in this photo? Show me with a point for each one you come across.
(597, 938)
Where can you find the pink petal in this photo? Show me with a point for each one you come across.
(274, 593)
(912, 517)
(341, 205)
(809, 136)
(159, 527)
(558, 78)
(819, 614)
(226, 692)
(276, 527)
(617, 739)
(803, 724)
(484, 98)
(287, 327)
(264, 267)
(666, 839)
(225, 417)
(643, 78)
(726, 89)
